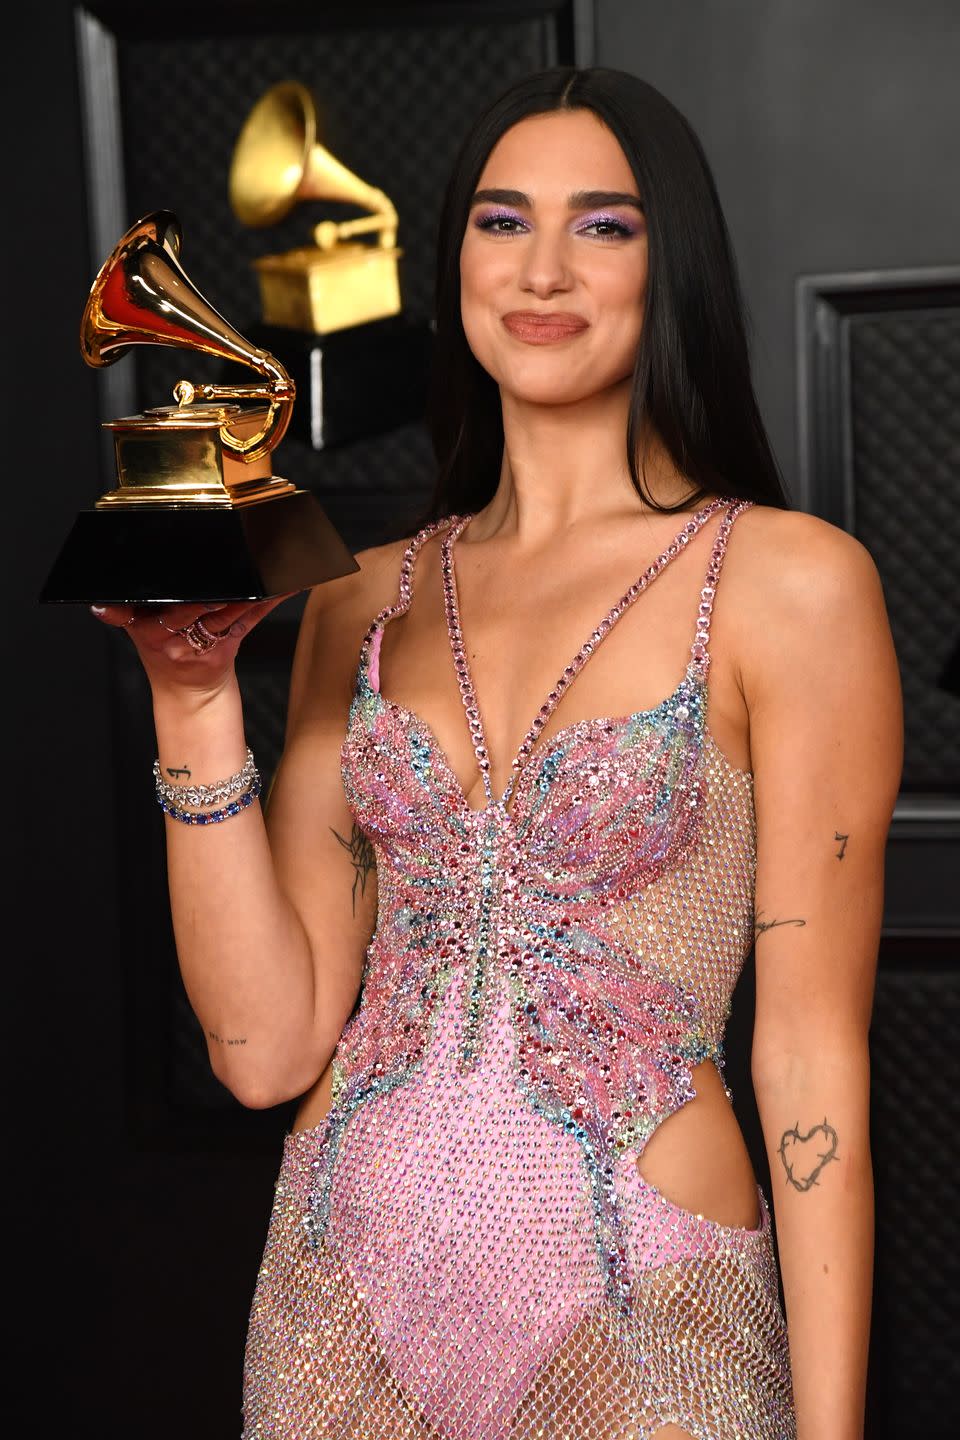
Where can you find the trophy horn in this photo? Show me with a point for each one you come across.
(278, 161)
(143, 296)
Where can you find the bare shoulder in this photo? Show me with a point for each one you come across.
(815, 648)
(798, 583)
(794, 556)
(335, 619)
(368, 588)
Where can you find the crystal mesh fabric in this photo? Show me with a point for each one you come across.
(464, 1248)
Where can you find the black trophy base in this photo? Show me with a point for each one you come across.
(353, 383)
(135, 557)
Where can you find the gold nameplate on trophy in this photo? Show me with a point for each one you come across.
(196, 513)
(338, 281)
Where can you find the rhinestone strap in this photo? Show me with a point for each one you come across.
(699, 657)
(405, 587)
(460, 663)
(570, 671)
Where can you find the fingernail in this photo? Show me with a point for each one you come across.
(99, 609)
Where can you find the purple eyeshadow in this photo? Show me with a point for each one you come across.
(601, 218)
(489, 217)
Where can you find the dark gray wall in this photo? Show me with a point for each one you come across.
(63, 1034)
(833, 130)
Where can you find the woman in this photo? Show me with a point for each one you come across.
(516, 1201)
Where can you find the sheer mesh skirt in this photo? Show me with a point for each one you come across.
(704, 1345)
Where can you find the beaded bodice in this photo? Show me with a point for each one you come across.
(465, 1248)
(603, 903)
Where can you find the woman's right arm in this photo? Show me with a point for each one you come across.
(271, 916)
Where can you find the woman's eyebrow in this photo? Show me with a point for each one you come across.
(596, 199)
(579, 200)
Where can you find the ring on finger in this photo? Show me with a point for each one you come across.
(212, 637)
(169, 628)
(199, 636)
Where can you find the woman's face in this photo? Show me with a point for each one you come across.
(555, 233)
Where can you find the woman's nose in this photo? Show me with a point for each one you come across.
(544, 266)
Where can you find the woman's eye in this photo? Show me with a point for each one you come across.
(499, 224)
(606, 227)
(609, 229)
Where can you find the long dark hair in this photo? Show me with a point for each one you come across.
(692, 374)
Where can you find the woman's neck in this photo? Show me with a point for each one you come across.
(566, 464)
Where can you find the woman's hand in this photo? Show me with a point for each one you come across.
(191, 645)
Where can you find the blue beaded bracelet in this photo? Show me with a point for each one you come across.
(211, 817)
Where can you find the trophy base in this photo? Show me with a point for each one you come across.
(356, 382)
(139, 556)
(320, 290)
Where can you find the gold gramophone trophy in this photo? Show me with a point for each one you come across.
(196, 513)
(332, 308)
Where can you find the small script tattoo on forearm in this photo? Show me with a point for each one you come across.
(219, 1040)
(177, 774)
(844, 838)
(361, 857)
(805, 1156)
(761, 925)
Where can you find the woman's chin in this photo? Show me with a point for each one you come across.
(552, 390)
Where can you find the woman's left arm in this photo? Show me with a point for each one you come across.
(826, 735)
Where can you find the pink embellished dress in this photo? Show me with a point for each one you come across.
(464, 1248)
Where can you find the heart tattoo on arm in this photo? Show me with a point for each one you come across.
(804, 1156)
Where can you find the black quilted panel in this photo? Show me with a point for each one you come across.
(905, 406)
(915, 1081)
(398, 100)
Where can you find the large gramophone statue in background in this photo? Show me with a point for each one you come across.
(332, 308)
(196, 513)
(338, 280)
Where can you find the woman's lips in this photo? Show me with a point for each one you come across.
(537, 329)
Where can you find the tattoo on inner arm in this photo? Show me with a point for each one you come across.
(361, 857)
(805, 1156)
(761, 925)
(219, 1040)
(844, 838)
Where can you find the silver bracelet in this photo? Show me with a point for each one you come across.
(199, 795)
